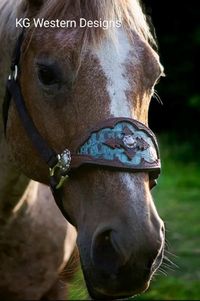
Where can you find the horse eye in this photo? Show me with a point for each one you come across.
(152, 183)
(47, 75)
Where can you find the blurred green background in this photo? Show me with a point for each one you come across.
(177, 125)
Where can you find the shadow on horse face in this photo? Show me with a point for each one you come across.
(120, 235)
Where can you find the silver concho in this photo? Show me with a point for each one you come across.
(129, 141)
(64, 160)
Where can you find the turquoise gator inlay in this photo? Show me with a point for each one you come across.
(123, 142)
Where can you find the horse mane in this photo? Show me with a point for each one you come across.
(128, 11)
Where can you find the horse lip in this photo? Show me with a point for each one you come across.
(101, 294)
(98, 294)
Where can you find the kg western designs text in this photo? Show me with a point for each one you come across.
(43, 23)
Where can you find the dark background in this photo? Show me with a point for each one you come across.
(177, 26)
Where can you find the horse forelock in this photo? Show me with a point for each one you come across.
(129, 12)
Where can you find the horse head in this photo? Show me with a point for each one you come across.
(72, 79)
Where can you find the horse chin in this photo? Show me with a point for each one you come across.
(106, 294)
(113, 290)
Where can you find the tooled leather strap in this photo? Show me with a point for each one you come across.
(121, 143)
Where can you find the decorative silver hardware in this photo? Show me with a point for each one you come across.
(63, 165)
(129, 141)
(61, 182)
(14, 74)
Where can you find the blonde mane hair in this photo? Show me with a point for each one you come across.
(128, 11)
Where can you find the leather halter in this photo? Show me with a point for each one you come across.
(117, 143)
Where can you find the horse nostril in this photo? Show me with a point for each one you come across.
(107, 236)
(104, 254)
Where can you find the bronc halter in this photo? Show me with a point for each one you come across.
(117, 143)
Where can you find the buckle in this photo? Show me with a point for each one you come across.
(61, 168)
(14, 73)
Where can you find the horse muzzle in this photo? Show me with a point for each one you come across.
(118, 268)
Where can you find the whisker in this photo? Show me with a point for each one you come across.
(161, 271)
(157, 97)
(168, 267)
(171, 254)
(170, 262)
(167, 243)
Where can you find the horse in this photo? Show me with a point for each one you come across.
(75, 131)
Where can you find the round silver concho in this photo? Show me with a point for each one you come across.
(129, 141)
(64, 160)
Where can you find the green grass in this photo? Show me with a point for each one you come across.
(77, 289)
(177, 198)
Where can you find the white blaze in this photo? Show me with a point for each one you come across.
(113, 59)
(137, 192)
